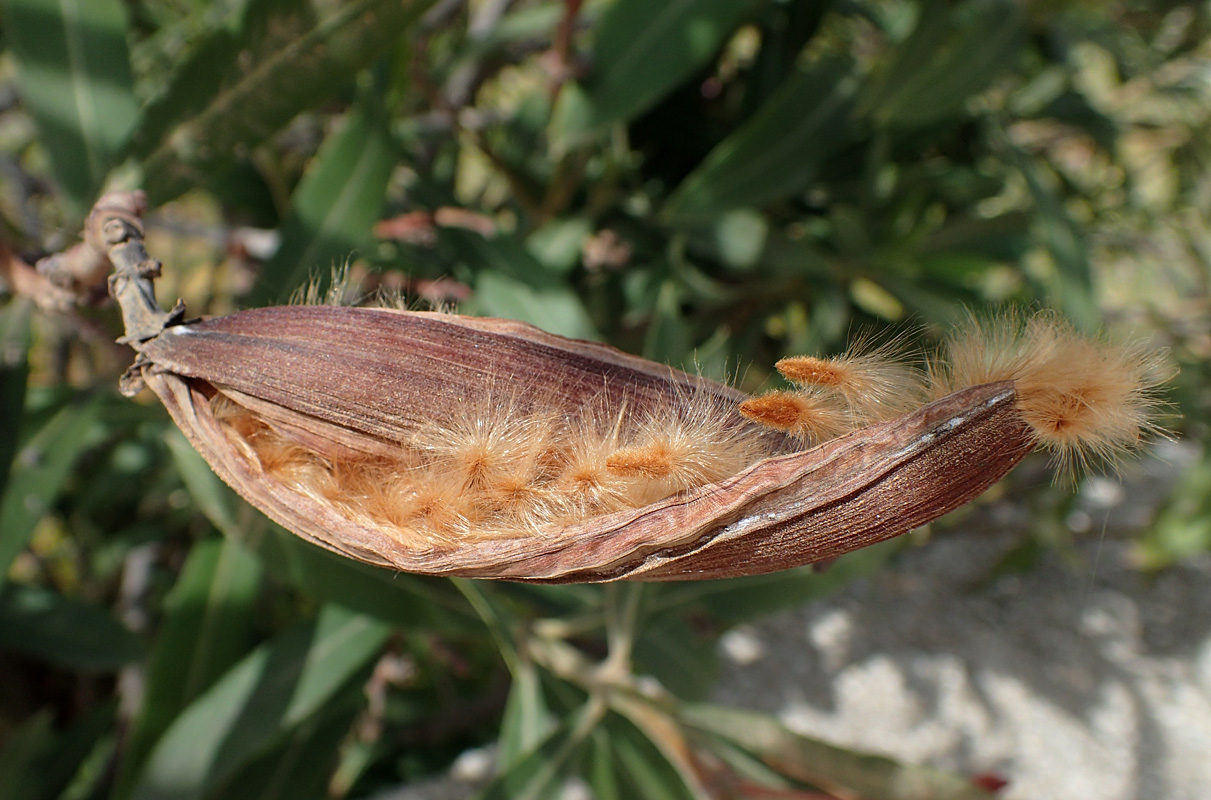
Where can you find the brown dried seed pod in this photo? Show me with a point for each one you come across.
(451, 445)
(364, 381)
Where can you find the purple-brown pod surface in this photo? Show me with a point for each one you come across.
(442, 444)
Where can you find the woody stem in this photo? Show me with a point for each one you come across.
(115, 229)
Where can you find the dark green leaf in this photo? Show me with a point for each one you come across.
(75, 79)
(39, 764)
(63, 630)
(640, 766)
(38, 473)
(213, 497)
(557, 245)
(263, 700)
(197, 77)
(644, 50)
(23, 758)
(600, 770)
(675, 654)
(300, 54)
(14, 370)
(779, 150)
(206, 628)
(541, 772)
(415, 601)
(954, 52)
(334, 207)
(300, 767)
(668, 337)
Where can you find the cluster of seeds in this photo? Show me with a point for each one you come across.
(490, 471)
(493, 469)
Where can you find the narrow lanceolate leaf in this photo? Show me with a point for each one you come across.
(264, 698)
(300, 767)
(63, 630)
(38, 473)
(23, 757)
(540, 773)
(954, 52)
(777, 151)
(1072, 284)
(839, 771)
(14, 370)
(75, 79)
(527, 720)
(644, 50)
(70, 765)
(208, 618)
(334, 206)
(300, 54)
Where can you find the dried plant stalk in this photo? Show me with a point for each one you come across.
(441, 444)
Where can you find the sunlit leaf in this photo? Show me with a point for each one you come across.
(1072, 287)
(302, 53)
(553, 308)
(640, 766)
(267, 696)
(334, 206)
(527, 720)
(207, 623)
(75, 79)
(1182, 529)
(540, 772)
(843, 772)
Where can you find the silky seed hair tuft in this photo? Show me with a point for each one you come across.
(811, 416)
(877, 382)
(1089, 401)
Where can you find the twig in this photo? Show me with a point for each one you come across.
(115, 230)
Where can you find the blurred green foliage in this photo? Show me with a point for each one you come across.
(712, 184)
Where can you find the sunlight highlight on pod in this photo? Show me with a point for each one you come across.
(495, 467)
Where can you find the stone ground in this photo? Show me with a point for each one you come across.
(1081, 680)
(1076, 679)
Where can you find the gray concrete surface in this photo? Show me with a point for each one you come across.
(1074, 680)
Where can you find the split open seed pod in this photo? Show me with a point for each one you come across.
(440, 444)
